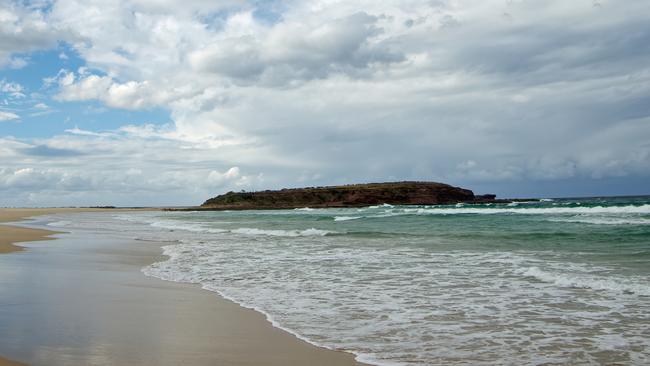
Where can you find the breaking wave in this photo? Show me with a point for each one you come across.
(281, 233)
(629, 209)
(633, 285)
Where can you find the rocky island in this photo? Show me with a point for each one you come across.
(354, 195)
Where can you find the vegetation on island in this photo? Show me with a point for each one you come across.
(353, 195)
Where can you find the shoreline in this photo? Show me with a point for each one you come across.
(215, 331)
(10, 235)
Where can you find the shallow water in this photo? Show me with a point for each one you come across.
(563, 281)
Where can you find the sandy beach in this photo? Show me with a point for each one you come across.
(82, 300)
(9, 235)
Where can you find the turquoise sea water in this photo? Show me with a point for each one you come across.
(563, 281)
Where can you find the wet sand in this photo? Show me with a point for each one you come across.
(82, 300)
(9, 235)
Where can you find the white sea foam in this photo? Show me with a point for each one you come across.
(405, 301)
(598, 215)
(409, 306)
(629, 209)
(59, 223)
(176, 225)
(383, 205)
(632, 285)
(346, 218)
(202, 228)
(604, 220)
(281, 233)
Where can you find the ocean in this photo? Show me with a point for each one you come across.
(562, 281)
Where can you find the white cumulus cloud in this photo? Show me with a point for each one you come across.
(8, 116)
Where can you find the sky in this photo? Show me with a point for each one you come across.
(167, 102)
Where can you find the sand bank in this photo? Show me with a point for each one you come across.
(10, 235)
(82, 300)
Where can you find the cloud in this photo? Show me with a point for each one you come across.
(28, 178)
(14, 90)
(17, 62)
(116, 167)
(78, 131)
(46, 151)
(218, 178)
(8, 116)
(327, 92)
(129, 95)
(23, 29)
(295, 50)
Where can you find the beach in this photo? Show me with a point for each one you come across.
(9, 235)
(82, 300)
(556, 281)
(563, 281)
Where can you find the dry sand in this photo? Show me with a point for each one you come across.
(82, 300)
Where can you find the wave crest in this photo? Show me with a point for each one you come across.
(282, 233)
(587, 281)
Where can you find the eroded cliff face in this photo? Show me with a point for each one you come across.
(357, 195)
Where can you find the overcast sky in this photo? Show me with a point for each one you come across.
(170, 102)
